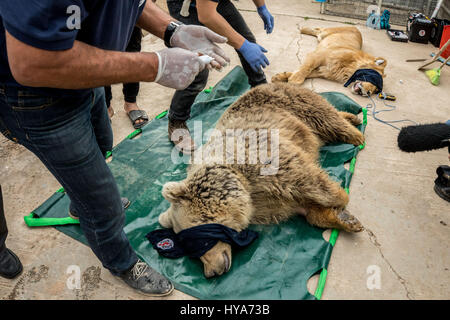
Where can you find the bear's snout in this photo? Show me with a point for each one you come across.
(164, 219)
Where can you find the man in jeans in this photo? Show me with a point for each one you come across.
(52, 53)
(222, 17)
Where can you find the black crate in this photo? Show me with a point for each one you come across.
(436, 31)
(419, 28)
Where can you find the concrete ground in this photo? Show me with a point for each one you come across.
(406, 242)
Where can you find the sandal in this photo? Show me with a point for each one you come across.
(112, 115)
(135, 115)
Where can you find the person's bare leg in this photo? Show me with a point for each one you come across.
(129, 106)
(111, 112)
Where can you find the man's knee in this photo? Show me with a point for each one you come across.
(200, 81)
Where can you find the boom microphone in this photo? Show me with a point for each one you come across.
(424, 137)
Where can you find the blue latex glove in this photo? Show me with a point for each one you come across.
(253, 54)
(267, 18)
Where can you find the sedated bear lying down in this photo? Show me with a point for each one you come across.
(289, 180)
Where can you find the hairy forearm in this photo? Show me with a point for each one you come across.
(82, 66)
(154, 19)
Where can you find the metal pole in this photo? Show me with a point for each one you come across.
(436, 9)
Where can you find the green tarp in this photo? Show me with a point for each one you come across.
(276, 266)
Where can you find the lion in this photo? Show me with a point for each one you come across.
(288, 182)
(337, 57)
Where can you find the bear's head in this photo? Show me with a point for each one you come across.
(209, 194)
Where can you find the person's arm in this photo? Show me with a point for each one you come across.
(48, 54)
(190, 37)
(252, 52)
(154, 20)
(259, 3)
(265, 15)
(85, 66)
(82, 66)
(208, 15)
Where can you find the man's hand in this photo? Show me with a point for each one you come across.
(254, 55)
(267, 18)
(178, 67)
(202, 40)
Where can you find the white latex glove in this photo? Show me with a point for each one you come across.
(201, 40)
(177, 67)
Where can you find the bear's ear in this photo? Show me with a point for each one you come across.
(175, 191)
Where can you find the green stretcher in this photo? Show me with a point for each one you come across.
(276, 266)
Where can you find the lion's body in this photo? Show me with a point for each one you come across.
(337, 56)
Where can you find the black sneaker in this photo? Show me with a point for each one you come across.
(146, 280)
(442, 182)
(125, 203)
(10, 265)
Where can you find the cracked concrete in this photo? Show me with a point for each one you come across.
(300, 37)
(407, 236)
(374, 241)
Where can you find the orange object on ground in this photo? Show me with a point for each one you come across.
(445, 37)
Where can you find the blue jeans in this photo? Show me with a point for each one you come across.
(70, 134)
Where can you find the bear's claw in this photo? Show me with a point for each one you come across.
(348, 222)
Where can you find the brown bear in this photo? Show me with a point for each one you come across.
(287, 180)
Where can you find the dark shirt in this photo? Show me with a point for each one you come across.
(51, 25)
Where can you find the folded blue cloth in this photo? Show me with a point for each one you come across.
(384, 20)
(196, 241)
(368, 75)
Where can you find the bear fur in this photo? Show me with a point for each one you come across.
(238, 194)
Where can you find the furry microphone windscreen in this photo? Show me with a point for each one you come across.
(424, 137)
